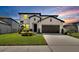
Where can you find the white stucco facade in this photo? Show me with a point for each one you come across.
(33, 21)
(53, 22)
(38, 20)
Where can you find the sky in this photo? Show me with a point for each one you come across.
(66, 13)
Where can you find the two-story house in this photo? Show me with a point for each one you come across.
(42, 23)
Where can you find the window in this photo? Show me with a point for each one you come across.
(50, 20)
(25, 17)
(34, 19)
(21, 22)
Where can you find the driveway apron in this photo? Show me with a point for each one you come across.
(62, 43)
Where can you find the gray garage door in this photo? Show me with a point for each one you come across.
(50, 28)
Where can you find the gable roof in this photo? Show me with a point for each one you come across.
(1, 22)
(46, 16)
(35, 15)
(3, 17)
(54, 16)
(50, 15)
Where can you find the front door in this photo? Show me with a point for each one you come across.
(35, 27)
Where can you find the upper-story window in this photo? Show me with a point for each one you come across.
(50, 20)
(25, 17)
(21, 22)
(34, 19)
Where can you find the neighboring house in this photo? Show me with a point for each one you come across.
(15, 25)
(77, 23)
(71, 27)
(78, 26)
(8, 25)
(42, 23)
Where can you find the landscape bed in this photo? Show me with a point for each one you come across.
(17, 39)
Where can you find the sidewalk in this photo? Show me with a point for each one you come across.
(24, 49)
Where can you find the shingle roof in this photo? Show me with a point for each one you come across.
(34, 15)
(30, 13)
(3, 17)
(50, 15)
(47, 16)
(1, 22)
(54, 16)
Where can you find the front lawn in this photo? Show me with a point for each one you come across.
(17, 39)
(75, 35)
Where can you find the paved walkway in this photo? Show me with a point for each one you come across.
(24, 49)
(62, 43)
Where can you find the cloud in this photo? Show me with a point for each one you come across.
(69, 12)
(71, 20)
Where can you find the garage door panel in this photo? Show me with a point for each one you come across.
(50, 28)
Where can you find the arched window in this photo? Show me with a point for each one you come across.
(34, 19)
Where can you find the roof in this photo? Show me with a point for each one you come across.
(59, 19)
(15, 21)
(76, 23)
(71, 23)
(30, 13)
(5, 23)
(54, 16)
(44, 15)
(3, 17)
(47, 16)
(35, 15)
(50, 15)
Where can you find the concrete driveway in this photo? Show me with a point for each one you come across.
(62, 43)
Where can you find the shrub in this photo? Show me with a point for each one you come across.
(27, 33)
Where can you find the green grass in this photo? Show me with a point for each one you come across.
(17, 39)
(75, 35)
